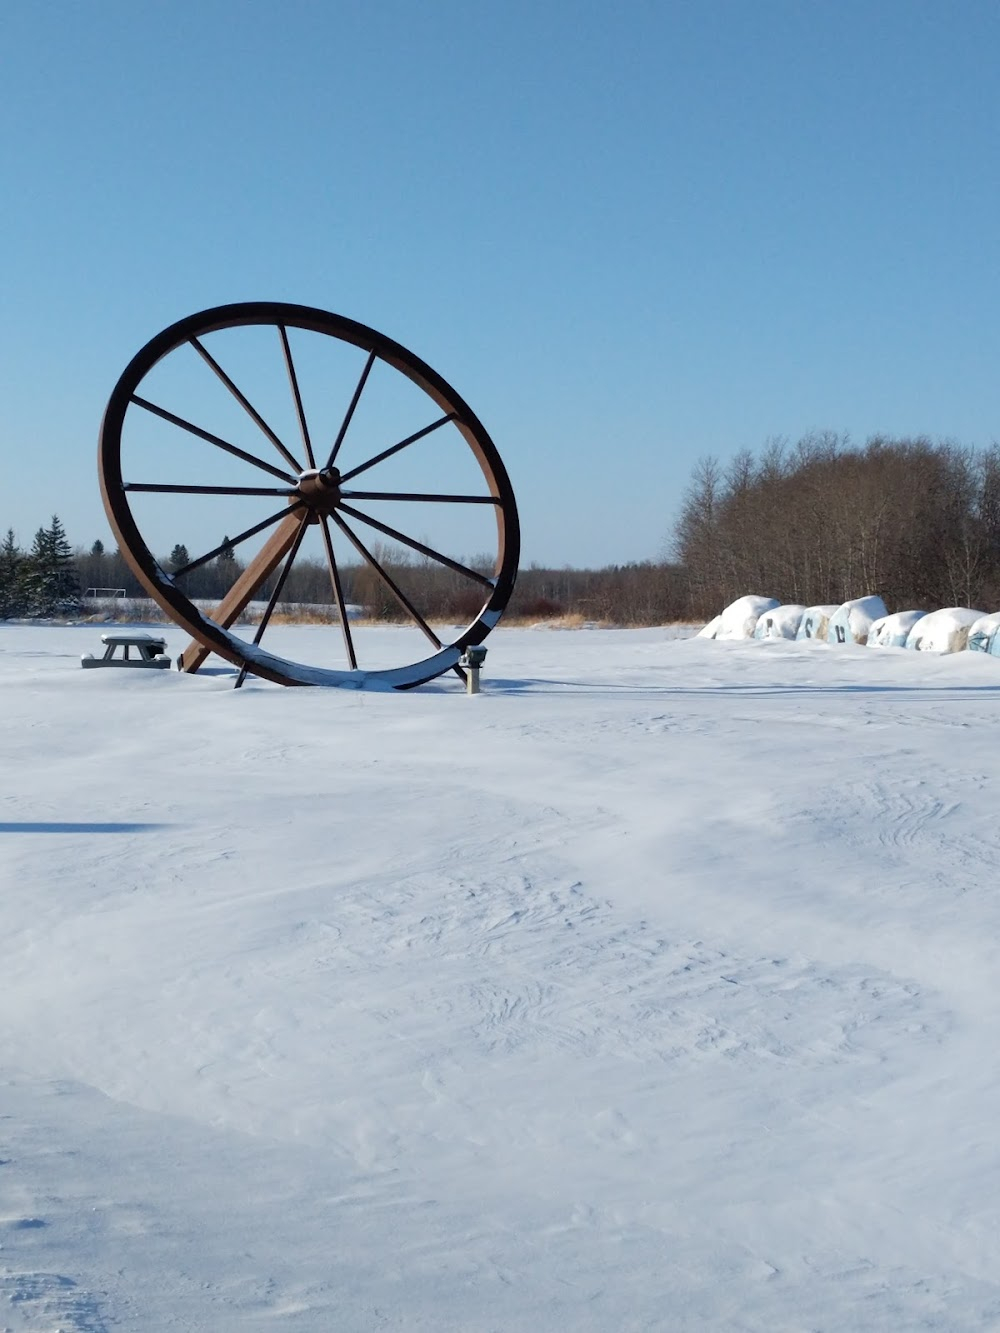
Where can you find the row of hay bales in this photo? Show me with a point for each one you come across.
(863, 620)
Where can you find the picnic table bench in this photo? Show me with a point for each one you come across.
(149, 649)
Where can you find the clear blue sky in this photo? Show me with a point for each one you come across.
(629, 234)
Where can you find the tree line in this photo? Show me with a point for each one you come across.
(820, 521)
(824, 521)
(41, 581)
(50, 579)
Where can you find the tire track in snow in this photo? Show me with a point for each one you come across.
(525, 967)
(921, 827)
(30, 1297)
(46, 1301)
(906, 811)
(608, 989)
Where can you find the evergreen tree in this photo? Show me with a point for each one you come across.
(178, 557)
(226, 565)
(51, 582)
(97, 548)
(12, 599)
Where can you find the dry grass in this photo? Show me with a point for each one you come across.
(143, 611)
(295, 616)
(367, 622)
(568, 620)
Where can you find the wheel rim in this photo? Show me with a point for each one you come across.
(324, 477)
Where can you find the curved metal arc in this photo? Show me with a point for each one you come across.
(419, 546)
(245, 403)
(243, 313)
(282, 672)
(210, 438)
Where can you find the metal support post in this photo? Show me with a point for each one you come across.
(472, 660)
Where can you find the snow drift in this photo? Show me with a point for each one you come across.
(739, 619)
(892, 631)
(983, 635)
(814, 622)
(944, 631)
(851, 622)
(781, 623)
(325, 1010)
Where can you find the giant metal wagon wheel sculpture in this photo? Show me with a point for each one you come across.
(339, 440)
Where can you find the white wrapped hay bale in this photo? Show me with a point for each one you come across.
(893, 631)
(944, 631)
(710, 630)
(983, 635)
(781, 623)
(814, 622)
(851, 622)
(739, 619)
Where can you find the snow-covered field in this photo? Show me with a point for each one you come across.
(658, 987)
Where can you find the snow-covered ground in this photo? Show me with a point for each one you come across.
(658, 987)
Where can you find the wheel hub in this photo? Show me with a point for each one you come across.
(320, 489)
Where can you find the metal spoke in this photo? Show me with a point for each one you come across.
(419, 546)
(283, 512)
(429, 499)
(273, 599)
(387, 579)
(212, 439)
(208, 490)
(338, 593)
(245, 404)
(403, 444)
(236, 600)
(350, 411)
(294, 381)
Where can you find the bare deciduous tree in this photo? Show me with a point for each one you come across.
(918, 523)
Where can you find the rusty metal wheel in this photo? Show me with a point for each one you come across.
(342, 444)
